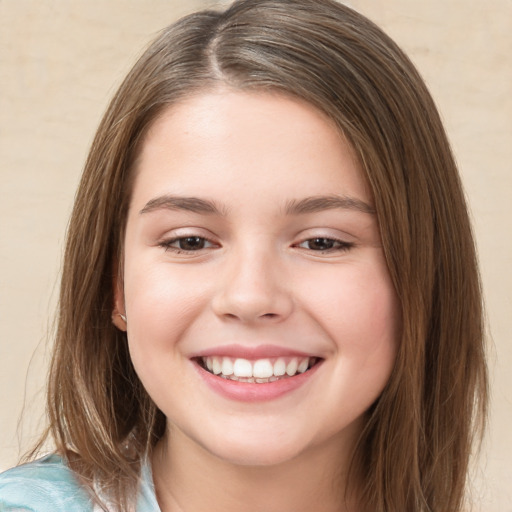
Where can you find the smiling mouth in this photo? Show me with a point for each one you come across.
(260, 371)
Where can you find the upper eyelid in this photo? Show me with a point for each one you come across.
(171, 239)
(212, 239)
(295, 239)
(345, 239)
(187, 232)
(167, 244)
(343, 243)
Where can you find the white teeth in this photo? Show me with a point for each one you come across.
(303, 366)
(291, 367)
(216, 366)
(260, 371)
(279, 367)
(227, 366)
(263, 369)
(242, 368)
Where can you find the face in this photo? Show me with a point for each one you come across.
(260, 314)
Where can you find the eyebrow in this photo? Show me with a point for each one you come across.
(320, 203)
(190, 204)
(293, 207)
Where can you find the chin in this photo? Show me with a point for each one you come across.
(258, 447)
(255, 456)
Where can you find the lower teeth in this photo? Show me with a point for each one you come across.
(252, 379)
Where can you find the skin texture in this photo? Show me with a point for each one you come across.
(258, 275)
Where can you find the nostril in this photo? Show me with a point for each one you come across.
(249, 306)
(269, 316)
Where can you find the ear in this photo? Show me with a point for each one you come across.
(119, 311)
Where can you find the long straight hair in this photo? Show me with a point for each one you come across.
(413, 453)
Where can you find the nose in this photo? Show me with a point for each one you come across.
(253, 288)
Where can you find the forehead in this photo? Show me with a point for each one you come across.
(217, 140)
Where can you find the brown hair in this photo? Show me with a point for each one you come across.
(414, 451)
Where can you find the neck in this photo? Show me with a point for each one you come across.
(188, 478)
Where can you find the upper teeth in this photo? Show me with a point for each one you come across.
(259, 369)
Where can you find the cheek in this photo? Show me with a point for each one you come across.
(360, 315)
(376, 309)
(358, 307)
(160, 306)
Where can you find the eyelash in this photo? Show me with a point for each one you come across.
(168, 244)
(336, 245)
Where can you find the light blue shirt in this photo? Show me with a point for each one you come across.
(48, 485)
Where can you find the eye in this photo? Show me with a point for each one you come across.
(186, 244)
(324, 244)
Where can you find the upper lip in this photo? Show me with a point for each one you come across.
(251, 352)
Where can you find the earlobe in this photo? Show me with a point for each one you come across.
(118, 312)
(119, 320)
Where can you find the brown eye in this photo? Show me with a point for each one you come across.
(191, 243)
(184, 244)
(323, 244)
(320, 244)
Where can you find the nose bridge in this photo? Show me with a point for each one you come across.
(253, 286)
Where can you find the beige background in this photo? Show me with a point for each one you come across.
(60, 61)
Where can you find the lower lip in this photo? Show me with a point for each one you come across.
(252, 392)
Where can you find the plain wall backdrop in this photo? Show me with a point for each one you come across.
(60, 62)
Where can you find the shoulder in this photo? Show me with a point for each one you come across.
(42, 486)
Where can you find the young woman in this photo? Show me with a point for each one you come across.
(270, 298)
